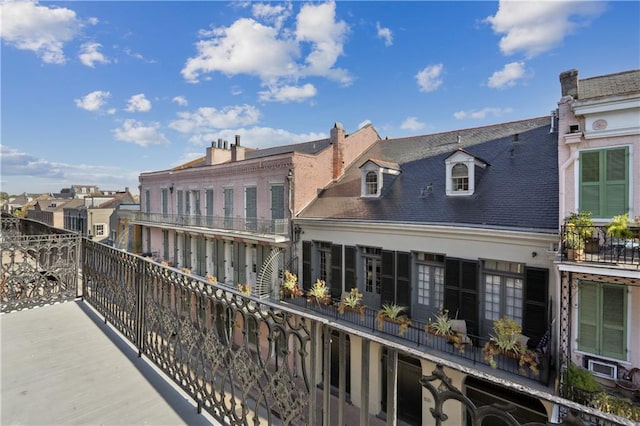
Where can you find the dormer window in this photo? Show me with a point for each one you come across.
(371, 183)
(461, 172)
(460, 177)
(374, 174)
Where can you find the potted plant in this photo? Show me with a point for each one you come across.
(319, 293)
(211, 278)
(244, 288)
(444, 326)
(352, 302)
(579, 228)
(392, 313)
(618, 228)
(289, 287)
(507, 340)
(580, 385)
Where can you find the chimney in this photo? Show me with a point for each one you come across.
(569, 83)
(226, 144)
(237, 151)
(237, 140)
(337, 140)
(219, 143)
(554, 118)
(217, 155)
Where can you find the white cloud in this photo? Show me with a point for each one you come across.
(141, 134)
(535, 27)
(385, 34)
(93, 101)
(508, 76)
(138, 103)
(257, 137)
(429, 78)
(180, 100)
(42, 30)
(288, 93)
(263, 47)
(90, 55)
(483, 113)
(208, 118)
(412, 123)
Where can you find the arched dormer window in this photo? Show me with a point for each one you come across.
(460, 177)
(374, 175)
(371, 183)
(461, 169)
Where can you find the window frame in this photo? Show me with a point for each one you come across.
(604, 209)
(495, 269)
(434, 263)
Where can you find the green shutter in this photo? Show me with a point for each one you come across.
(590, 182)
(614, 314)
(604, 182)
(588, 314)
(616, 188)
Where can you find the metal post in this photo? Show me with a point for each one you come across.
(364, 384)
(312, 373)
(326, 379)
(392, 388)
(342, 376)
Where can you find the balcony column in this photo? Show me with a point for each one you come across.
(342, 376)
(326, 377)
(364, 383)
(392, 388)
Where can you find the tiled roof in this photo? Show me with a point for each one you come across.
(518, 190)
(312, 147)
(622, 83)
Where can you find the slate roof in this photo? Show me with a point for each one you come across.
(312, 147)
(519, 189)
(621, 83)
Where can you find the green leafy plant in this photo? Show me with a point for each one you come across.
(619, 227)
(507, 340)
(244, 288)
(579, 228)
(442, 325)
(620, 407)
(289, 287)
(319, 293)
(393, 313)
(352, 302)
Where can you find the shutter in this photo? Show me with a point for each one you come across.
(387, 287)
(588, 317)
(616, 182)
(209, 201)
(202, 255)
(175, 249)
(306, 265)
(186, 252)
(614, 313)
(534, 316)
(452, 286)
(179, 202)
(403, 287)
(469, 303)
(241, 265)
(590, 182)
(220, 263)
(350, 280)
(336, 271)
(277, 202)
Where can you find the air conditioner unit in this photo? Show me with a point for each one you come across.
(603, 369)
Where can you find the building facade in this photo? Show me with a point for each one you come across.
(463, 222)
(228, 214)
(598, 161)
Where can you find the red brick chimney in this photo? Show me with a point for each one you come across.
(338, 142)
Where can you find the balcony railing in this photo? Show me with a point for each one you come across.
(594, 245)
(470, 351)
(250, 225)
(251, 361)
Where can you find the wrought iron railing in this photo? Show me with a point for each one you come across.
(469, 348)
(251, 225)
(593, 244)
(39, 264)
(251, 361)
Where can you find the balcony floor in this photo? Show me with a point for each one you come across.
(61, 365)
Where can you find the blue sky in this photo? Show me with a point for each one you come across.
(98, 92)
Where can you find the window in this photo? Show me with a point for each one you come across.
(460, 177)
(179, 200)
(324, 255)
(99, 230)
(372, 272)
(165, 201)
(604, 182)
(503, 290)
(371, 183)
(430, 280)
(208, 199)
(228, 208)
(147, 201)
(602, 319)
